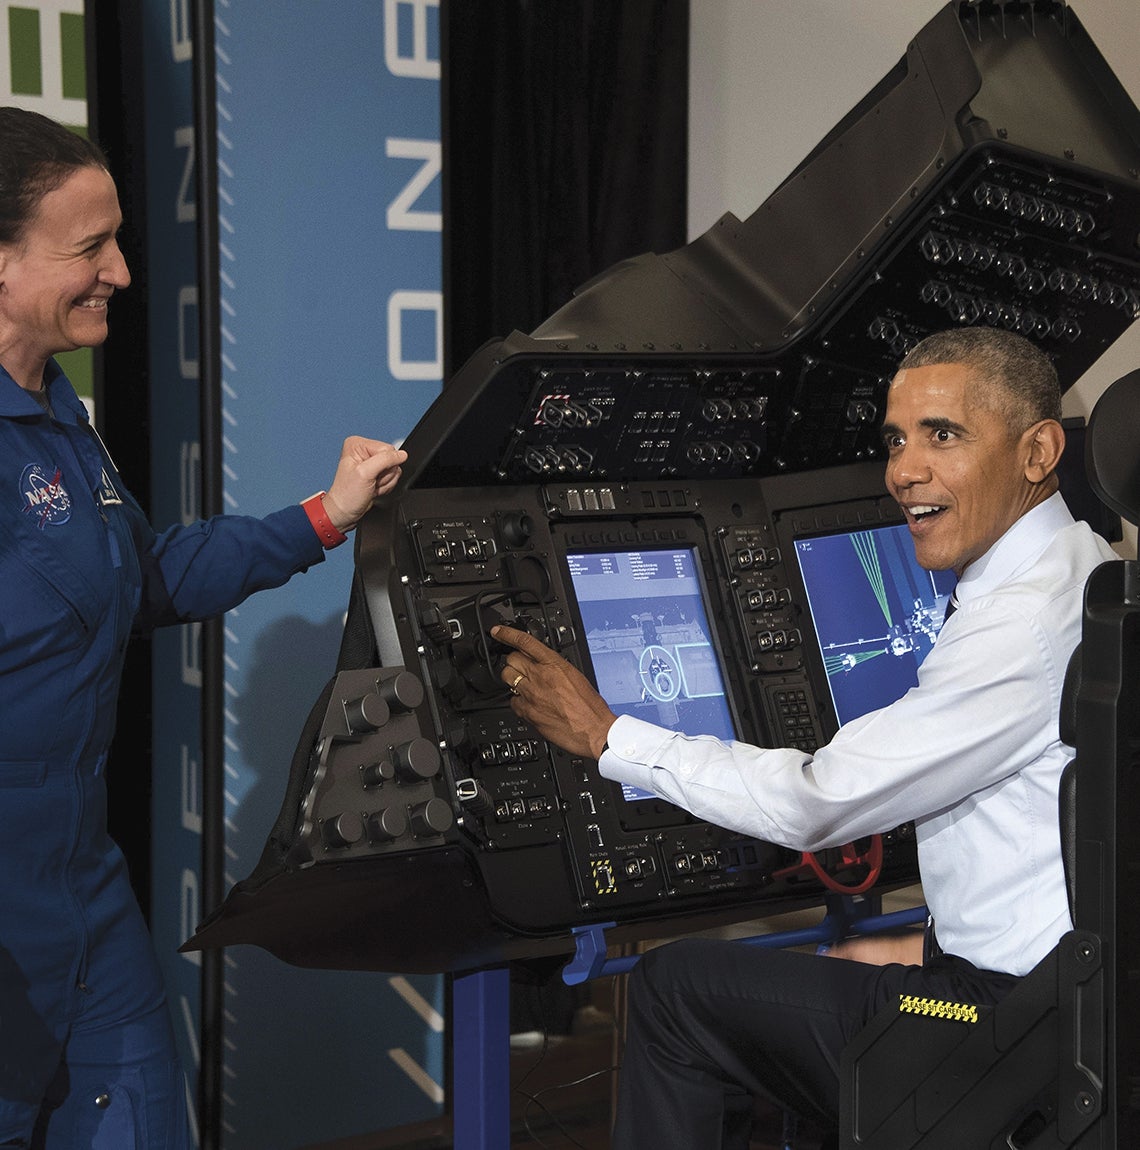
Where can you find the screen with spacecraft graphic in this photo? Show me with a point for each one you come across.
(648, 635)
(875, 611)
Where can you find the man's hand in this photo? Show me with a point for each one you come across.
(368, 468)
(553, 696)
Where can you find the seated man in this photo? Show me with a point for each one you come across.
(972, 755)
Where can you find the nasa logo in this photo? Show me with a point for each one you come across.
(46, 499)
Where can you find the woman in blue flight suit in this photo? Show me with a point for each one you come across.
(86, 1050)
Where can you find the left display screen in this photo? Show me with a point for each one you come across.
(646, 623)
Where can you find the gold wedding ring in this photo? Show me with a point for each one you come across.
(518, 679)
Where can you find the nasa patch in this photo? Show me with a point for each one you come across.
(44, 495)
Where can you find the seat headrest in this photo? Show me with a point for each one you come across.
(1112, 447)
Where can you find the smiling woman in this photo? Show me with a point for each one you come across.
(94, 1064)
(59, 275)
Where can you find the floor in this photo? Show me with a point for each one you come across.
(562, 1088)
(561, 1100)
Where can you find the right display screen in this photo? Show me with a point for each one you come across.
(875, 612)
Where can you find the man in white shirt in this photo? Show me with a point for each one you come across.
(972, 755)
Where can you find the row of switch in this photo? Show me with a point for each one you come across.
(508, 751)
(590, 499)
(716, 451)
(967, 309)
(720, 410)
(460, 550)
(778, 640)
(1035, 209)
(654, 421)
(768, 599)
(755, 558)
(532, 807)
(697, 861)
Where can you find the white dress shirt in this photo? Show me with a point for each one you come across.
(971, 754)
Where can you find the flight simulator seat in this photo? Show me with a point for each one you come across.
(1057, 1063)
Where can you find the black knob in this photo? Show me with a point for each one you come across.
(403, 692)
(368, 713)
(342, 830)
(386, 825)
(431, 818)
(517, 527)
(373, 774)
(416, 760)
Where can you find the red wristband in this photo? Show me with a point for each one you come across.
(329, 535)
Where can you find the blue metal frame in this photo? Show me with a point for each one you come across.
(481, 1054)
(481, 1007)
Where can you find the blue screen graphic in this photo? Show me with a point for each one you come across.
(876, 613)
(649, 640)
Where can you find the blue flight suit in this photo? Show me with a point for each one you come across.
(83, 1018)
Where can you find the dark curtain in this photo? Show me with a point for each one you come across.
(122, 392)
(565, 126)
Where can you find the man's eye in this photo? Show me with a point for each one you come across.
(943, 435)
(891, 442)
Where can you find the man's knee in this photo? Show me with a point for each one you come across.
(665, 968)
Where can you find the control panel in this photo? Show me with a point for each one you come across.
(683, 602)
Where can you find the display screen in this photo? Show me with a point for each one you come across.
(875, 612)
(648, 634)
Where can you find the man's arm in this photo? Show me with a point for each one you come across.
(982, 710)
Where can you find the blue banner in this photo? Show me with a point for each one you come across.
(330, 229)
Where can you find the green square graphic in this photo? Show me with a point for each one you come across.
(24, 51)
(79, 367)
(73, 57)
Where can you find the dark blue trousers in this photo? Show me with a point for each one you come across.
(713, 1025)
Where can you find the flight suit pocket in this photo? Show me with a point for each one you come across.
(16, 774)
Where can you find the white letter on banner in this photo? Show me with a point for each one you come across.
(181, 38)
(186, 209)
(190, 635)
(191, 799)
(189, 469)
(398, 303)
(400, 217)
(187, 299)
(189, 912)
(419, 64)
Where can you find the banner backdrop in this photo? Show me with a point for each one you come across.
(330, 220)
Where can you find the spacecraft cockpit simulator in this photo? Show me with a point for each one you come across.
(676, 481)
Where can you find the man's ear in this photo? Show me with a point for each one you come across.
(1045, 441)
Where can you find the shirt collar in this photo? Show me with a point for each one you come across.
(65, 404)
(1017, 550)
